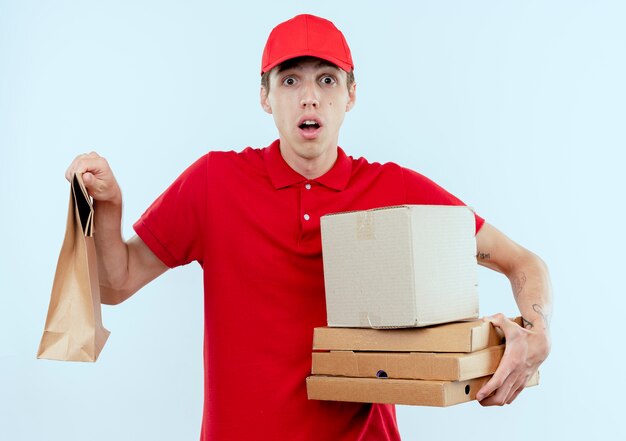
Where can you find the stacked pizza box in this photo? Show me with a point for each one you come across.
(402, 308)
(432, 366)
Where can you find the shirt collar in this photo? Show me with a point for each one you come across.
(282, 175)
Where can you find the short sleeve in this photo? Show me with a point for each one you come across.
(421, 190)
(173, 226)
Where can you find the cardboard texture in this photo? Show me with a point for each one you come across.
(468, 336)
(404, 266)
(408, 365)
(391, 391)
(73, 329)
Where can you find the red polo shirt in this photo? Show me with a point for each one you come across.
(253, 223)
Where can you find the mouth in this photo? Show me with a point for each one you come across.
(309, 125)
(309, 128)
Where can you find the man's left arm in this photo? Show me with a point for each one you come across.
(528, 346)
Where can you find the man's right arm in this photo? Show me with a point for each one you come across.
(123, 267)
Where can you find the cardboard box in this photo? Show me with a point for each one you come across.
(404, 266)
(408, 365)
(413, 392)
(466, 336)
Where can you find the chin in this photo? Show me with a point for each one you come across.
(309, 153)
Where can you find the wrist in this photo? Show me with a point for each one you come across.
(112, 204)
(541, 344)
(108, 217)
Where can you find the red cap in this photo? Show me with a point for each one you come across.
(306, 35)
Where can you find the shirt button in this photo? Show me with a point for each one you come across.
(307, 217)
(307, 186)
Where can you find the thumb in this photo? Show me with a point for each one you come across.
(88, 178)
(502, 323)
(498, 320)
(508, 327)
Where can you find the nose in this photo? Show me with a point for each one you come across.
(309, 97)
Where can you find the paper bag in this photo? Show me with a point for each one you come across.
(74, 330)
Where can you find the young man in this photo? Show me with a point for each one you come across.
(252, 221)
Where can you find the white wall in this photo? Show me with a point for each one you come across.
(517, 107)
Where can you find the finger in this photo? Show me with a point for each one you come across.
(502, 322)
(70, 170)
(88, 179)
(517, 388)
(494, 383)
(499, 398)
(496, 319)
(507, 371)
(87, 163)
(75, 165)
(503, 371)
(515, 394)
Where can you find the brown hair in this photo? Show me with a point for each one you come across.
(265, 77)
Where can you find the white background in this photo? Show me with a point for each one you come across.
(517, 107)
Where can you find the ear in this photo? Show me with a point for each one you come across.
(351, 97)
(265, 101)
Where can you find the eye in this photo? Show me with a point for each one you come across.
(328, 80)
(289, 81)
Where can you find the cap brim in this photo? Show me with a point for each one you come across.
(337, 62)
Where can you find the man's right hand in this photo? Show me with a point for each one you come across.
(123, 267)
(97, 176)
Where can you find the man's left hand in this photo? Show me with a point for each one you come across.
(525, 351)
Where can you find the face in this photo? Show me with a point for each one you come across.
(308, 101)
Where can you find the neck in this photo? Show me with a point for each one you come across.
(310, 166)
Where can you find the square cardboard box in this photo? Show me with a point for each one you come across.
(392, 391)
(466, 336)
(404, 266)
(408, 365)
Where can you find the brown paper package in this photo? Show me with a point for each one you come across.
(74, 330)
